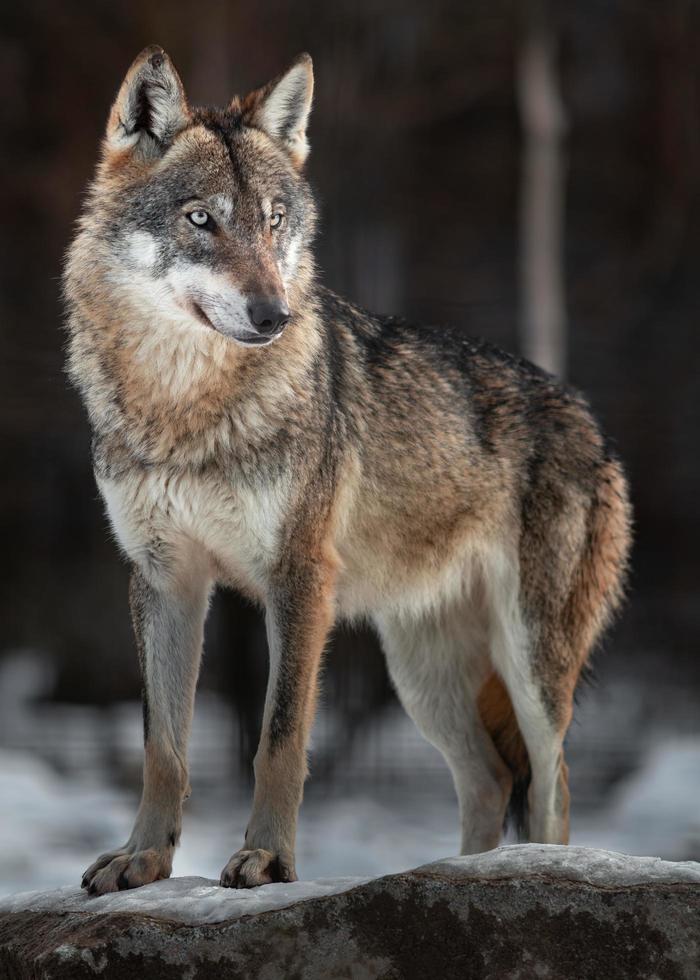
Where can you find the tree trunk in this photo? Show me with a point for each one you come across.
(543, 314)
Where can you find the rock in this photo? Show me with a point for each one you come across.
(521, 912)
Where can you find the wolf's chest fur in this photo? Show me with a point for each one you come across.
(191, 451)
(165, 520)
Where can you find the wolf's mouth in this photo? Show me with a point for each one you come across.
(201, 316)
(257, 340)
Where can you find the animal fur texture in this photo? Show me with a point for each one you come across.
(254, 430)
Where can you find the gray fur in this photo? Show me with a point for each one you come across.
(355, 466)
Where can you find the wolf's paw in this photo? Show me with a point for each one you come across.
(246, 869)
(118, 870)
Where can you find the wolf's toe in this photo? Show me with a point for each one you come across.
(102, 862)
(125, 871)
(250, 868)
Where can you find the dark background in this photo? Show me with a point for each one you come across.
(416, 158)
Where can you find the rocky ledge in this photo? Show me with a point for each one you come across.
(564, 913)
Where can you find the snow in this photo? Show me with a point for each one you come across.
(53, 826)
(656, 810)
(393, 809)
(200, 901)
(591, 866)
(187, 900)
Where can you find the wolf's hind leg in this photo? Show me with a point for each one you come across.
(566, 583)
(542, 707)
(168, 624)
(437, 665)
(543, 733)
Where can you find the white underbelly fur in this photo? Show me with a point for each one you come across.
(165, 522)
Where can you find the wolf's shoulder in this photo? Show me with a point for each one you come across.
(442, 366)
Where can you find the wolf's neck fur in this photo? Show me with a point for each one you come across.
(165, 390)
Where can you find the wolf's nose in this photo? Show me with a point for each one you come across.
(268, 316)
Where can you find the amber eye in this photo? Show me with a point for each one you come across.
(277, 219)
(200, 218)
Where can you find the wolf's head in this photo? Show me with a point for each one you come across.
(201, 216)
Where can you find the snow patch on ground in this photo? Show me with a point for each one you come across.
(187, 900)
(199, 901)
(584, 864)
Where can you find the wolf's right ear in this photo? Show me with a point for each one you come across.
(151, 107)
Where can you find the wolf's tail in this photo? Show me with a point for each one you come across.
(596, 593)
(500, 722)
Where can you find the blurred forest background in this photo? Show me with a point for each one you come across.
(433, 167)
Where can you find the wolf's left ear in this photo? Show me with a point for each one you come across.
(281, 108)
(151, 107)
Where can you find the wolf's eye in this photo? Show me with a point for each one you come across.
(200, 218)
(277, 219)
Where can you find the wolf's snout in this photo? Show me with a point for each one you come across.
(268, 316)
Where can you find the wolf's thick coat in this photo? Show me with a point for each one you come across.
(359, 466)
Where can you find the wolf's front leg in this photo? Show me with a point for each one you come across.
(168, 624)
(299, 616)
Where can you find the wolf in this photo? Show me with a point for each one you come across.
(251, 429)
